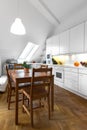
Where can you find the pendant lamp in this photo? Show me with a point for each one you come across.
(17, 27)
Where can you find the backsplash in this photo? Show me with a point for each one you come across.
(62, 58)
(70, 59)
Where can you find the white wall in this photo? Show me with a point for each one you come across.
(37, 27)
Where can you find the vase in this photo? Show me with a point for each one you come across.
(26, 70)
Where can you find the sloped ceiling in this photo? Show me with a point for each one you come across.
(37, 27)
(41, 18)
(62, 13)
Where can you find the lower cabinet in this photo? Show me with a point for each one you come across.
(71, 79)
(83, 84)
(75, 80)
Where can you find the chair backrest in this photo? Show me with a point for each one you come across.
(18, 66)
(9, 78)
(41, 78)
(44, 66)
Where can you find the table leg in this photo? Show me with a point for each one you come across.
(16, 104)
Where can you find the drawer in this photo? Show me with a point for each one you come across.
(59, 68)
(83, 71)
(71, 75)
(71, 69)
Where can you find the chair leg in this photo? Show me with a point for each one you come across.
(9, 98)
(7, 93)
(31, 112)
(48, 106)
(23, 103)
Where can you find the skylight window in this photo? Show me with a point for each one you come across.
(28, 52)
(32, 52)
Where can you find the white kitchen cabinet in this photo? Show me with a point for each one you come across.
(83, 84)
(71, 78)
(85, 48)
(55, 48)
(64, 42)
(0, 67)
(83, 81)
(77, 39)
(52, 45)
(48, 45)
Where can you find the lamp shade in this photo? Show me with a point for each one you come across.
(17, 27)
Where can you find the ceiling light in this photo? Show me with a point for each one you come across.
(17, 27)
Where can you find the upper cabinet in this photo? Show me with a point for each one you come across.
(85, 37)
(77, 39)
(64, 42)
(71, 41)
(52, 45)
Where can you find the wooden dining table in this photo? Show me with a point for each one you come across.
(19, 76)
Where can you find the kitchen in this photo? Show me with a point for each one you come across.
(59, 30)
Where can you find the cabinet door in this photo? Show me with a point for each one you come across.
(67, 81)
(64, 42)
(55, 45)
(48, 46)
(71, 79)
(83, 84)
(86, 37)
(0, 67)
(77, 38)
(52, 45)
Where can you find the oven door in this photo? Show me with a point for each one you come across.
(59, 75)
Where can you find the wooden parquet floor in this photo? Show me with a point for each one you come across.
(70, 113)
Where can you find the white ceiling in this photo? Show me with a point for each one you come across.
(62, 13)
(41, 18)
(63, 9)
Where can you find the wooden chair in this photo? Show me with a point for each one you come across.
(44, 66)
(18, 66)
(40, 89)
(11, 89)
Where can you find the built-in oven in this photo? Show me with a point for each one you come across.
(59, 74)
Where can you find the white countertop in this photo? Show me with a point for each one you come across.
(65, 65)
(68, 65)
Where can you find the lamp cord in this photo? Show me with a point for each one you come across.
(18, 8)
